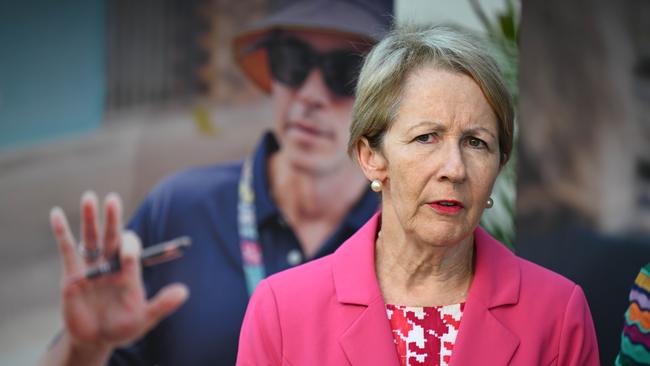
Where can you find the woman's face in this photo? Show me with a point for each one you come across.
(440, 157)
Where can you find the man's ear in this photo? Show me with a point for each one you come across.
(372, 162)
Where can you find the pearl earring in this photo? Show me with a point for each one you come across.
(376, 185)
(489, 203)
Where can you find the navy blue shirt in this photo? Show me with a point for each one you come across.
(202, 203)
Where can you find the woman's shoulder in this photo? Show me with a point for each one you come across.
(508, 264)
(294, 294)
(351, 262)
(533, 302)
(547, 290)
(540, 275)
(506, 278)
(306, 280)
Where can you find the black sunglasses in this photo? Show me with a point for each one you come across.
(291, 60)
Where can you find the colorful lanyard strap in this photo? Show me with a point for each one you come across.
(251, 250)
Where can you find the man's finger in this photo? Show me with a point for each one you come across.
(130, 257)
(90, 226)
(112, 224)
(166, 301)
(67, 248)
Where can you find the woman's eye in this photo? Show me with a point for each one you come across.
(476, 143)
(427, 138)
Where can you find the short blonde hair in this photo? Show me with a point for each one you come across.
(406, 48)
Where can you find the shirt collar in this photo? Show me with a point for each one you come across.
(265, 207)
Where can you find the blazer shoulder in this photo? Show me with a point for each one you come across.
(548, 292)
(534, 274)
(309, 280)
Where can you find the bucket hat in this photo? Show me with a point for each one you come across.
(365, 19)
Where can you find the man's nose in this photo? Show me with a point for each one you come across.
(452, 164)
(313, 91)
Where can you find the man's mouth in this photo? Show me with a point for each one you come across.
(308, 130)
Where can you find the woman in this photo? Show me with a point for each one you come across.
(421, 283)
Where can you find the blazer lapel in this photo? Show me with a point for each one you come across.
(369, 340)
(482, 338)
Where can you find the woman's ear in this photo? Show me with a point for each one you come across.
(372, 161)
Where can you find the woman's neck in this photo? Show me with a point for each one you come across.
(423, 274)
(314, 204)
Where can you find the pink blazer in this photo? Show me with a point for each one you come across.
(330, 312)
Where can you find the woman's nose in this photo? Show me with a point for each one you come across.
(452, 165)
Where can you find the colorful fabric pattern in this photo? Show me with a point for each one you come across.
(425, 336)
(635, 340)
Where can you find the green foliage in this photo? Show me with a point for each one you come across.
(508, 23)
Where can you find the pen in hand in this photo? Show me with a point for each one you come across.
(150, 256)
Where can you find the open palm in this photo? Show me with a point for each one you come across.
(112, 310)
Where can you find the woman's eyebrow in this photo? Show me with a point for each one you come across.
(474, 130)
(437, 126)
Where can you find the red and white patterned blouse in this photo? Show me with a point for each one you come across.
(425, 336)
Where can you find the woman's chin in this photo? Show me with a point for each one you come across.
(443, 234)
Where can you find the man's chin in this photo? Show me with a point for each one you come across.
(308, 164)
(312, 160)
(313, 164)
(299, 144)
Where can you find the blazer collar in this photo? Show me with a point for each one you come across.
(369, 340)
(353, 266)
(496, 271)
(482, 338)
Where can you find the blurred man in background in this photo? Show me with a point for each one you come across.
(295, 198)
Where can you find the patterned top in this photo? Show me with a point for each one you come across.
(635, 340)
(425, 336)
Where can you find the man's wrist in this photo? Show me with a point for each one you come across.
(64, 351)
(86, 353)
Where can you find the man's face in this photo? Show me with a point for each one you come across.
(312, 119)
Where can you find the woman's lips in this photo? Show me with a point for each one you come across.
(446, 207)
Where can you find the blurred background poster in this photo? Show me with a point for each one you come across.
(111, 96)
(583, 193)
(114, 95)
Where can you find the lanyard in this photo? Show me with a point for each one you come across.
(251, 250)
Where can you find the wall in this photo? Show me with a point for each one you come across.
(51, 69)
